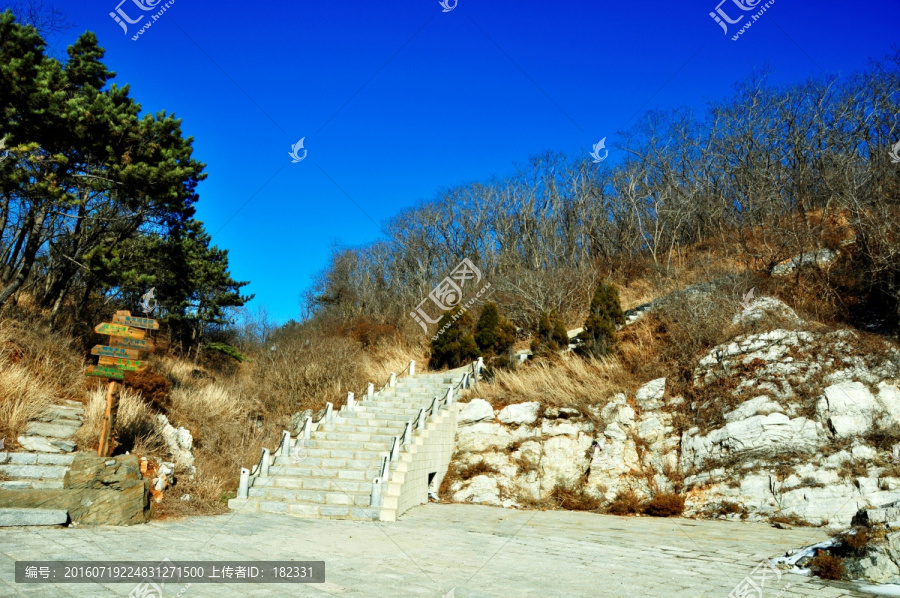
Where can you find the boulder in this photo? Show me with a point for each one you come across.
(761, 405)
(475, 411)
(298, 419)
(481, 489)
(767, 308)
(849, 409)
(650, 395)
(179, 442)
(96, 491)
(562, 413)
(520, 413)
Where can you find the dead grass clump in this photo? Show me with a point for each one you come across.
(574, 498)
(566, 381)
(664, 504)
(853, 468)
(467, 472)
(134, 423)
(38, 368)
(626, 502)
(828, 566)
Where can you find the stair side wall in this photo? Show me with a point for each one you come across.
(430, 452)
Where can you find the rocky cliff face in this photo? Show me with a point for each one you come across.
(791, 422)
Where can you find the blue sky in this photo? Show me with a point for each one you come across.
(398, 100)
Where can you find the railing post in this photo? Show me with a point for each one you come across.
(370, 391)
(264, 464)
(375, 502)
(434, 407)
(449, 394)
(392, 381)
(395, 448)
(329, 409)
(412, 368)
(479, 366)
(385, 468)
(407, 434)
(307, 428)
(285, 443)
(421, 422)
(350, 402)
(244, 484)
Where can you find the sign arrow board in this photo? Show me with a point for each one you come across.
(102, 371)
(130, 365)
(136, 322)
(119, 330)
(130, 343)
(119, 352)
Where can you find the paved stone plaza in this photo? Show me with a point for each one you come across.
(479, 551)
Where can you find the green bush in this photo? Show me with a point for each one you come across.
(226, 350)
(551, 335)
(494, 334)
(599, 335)
(454, 343)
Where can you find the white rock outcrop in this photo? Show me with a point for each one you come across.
(476, 410)
(520, 413)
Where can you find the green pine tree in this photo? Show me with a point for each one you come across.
(455, 345)
(494, 334)
(598, 338)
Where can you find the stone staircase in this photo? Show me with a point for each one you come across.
(338, 467)
(48, 441)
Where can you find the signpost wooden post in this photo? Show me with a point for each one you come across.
(120, 355)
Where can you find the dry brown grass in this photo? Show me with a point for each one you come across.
(568, 381)
(574, 498)
(665, 504)
(37, 368)
(828, 566)
(626, 502)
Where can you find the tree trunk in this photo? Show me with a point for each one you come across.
(31, 248)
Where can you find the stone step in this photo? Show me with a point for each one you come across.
(299, 471)
(50, 430)
(354, 437)
(339, 454)
(360, 429)
(36, 472)
(313, 511)
(46, 445)
(315, 483)
(363, 414)
(346, 445)
(333, 496)
(17, 517)
(35, 459)
(320, 463)
(31, 485)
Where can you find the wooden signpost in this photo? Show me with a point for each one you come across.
(120, 355)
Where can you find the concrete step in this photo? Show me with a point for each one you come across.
(383, 428)
(299, 471)
(315, 483)
(323, 463)
(334, 496)
(32, 485)
(354, 437)
(35, 459)
(313, 511)
(16, 517)
(362, 413)
(346, 445)
(340, 454)
(34, 472)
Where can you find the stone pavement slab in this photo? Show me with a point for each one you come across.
(480, 551)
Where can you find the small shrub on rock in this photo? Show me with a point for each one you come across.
(626, 502)
(665, 504)
(574, 499)
(551, 335)
(828, 566)
(154, 389)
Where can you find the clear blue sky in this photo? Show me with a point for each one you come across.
(398, 100)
